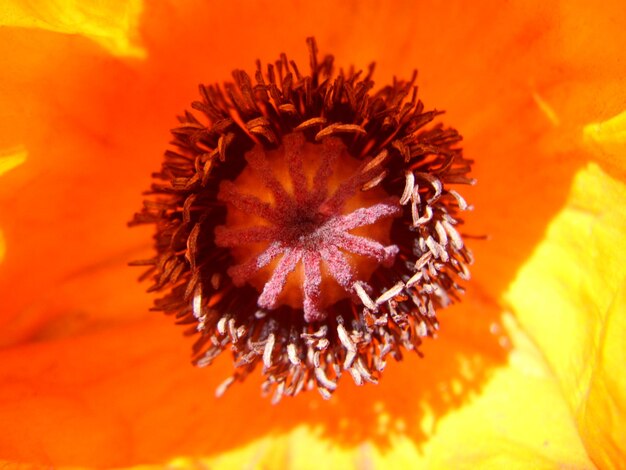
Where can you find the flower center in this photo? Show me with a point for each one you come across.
(301, 229)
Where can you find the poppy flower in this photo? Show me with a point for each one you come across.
(525, 370)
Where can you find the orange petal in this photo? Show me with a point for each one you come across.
(81, 182)
(126, 395)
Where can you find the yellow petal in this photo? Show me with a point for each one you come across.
(3, 248)
(112, 24)
(9, 160)
(570, 298)
(608, 140)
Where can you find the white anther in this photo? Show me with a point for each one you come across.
(415, 196)
(422, 220)
(219, 391)
(390, 293)
(292, 354)
(347, 364)
(267, 352)
(321, 377)
(367, 301)
(197, 304)
(375, 181)
(316, 358)
(363, 370)
(459, 199)
(278, 393)
(345, 339)
(232, 331)
(374, 162)
(221, 326)
(408, 187)
(422, 330)
(436, 249)
(434, 182)
(322, 344)
(457, 241)
(414, 279)
(324, 392)
(441, 233)
(241, 331)
(465, 274)
(356, 376)
(423, 260)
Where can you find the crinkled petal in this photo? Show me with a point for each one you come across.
(66, 109)
(519, 421)
(570, 297)
(126, 396)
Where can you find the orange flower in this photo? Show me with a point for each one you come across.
(526, 371)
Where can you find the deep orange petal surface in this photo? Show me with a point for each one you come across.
(90, 378)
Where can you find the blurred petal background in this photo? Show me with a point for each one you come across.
(527, 369)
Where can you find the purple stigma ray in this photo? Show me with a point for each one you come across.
(276, 284)
(229, 238)
(365, 247)
(365, 216)
(256, 159)
(311, 286)
(242, 272)
(339, 267)
(296, 170)
(308, 227)
(246, 203)
(320, 181)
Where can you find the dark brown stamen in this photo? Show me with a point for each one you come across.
(308, 224)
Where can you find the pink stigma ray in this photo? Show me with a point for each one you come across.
(307, 227)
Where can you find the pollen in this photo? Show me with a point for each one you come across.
(308, 224)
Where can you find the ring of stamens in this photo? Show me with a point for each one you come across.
(199, 235)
